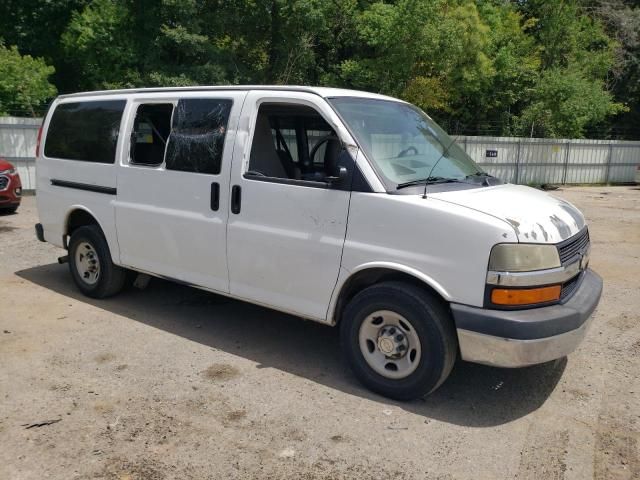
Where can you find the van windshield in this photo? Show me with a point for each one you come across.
(404, 143)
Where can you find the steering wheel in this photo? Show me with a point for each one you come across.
(406, 151)
(322, 141)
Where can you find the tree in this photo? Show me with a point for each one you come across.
(480, 66)
(24, 84)
(464, 62)
(36, 26)
(98, 42)
(571, 92)
(141, 43)
(622, 23)
(563, 103)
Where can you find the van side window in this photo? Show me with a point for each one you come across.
(85, 131)
(151, 129)
(293, 142)
(197, 135)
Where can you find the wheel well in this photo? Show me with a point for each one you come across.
(78, 218)
(371, 276)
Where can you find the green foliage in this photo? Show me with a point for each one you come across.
(24, 84)
(576, 55)
(621, 20)
(35, 26)
(462, 61)
(564, 102)
(97, 39)
(484, 66)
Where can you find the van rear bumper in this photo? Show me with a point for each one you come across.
(518, 338)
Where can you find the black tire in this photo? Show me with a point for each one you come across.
(433, 324)
(9, 210)
(111, 278)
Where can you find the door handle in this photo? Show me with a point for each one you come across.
(236, 199)
(215, 196)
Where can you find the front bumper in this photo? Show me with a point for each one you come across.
(11, 194)
(517, 338)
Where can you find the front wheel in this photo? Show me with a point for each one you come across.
(399, 340)
(90, 264)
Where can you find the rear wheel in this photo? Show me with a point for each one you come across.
(91, 266)
(399, 340)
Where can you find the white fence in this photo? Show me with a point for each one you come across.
(559, 161)
(515, 160)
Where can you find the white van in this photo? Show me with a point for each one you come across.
(343, 207)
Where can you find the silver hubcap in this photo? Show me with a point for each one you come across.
(87, 264)
(390, 344)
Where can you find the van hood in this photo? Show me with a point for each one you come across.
(536, 216)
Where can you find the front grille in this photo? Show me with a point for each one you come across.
(573, 246)
(569, 287)
(4, 181)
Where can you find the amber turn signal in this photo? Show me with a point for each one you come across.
(526, 296)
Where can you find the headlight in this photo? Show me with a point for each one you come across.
(518, 257)
(10, 171)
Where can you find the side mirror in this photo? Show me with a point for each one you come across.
(343, 173)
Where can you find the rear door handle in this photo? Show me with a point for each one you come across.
(215, 196)
(236, 199)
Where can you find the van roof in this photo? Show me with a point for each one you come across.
(325, 92)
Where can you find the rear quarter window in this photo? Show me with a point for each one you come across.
(85, 131)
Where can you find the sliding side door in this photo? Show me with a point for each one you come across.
(172, 203)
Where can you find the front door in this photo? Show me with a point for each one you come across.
(172, 206)
(287, 224)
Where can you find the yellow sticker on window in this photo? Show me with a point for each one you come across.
(144, 133)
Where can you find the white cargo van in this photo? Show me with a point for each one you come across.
(343, 207)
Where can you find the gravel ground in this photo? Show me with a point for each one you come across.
(172, 382)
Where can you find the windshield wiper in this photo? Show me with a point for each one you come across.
(427, 181)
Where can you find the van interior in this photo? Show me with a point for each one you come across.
(151, 129)
(188, 137)
(290, 141)
(293, 142)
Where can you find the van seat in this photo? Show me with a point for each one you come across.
(264, 158)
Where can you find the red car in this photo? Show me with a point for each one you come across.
(10, 187)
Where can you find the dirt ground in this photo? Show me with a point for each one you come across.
(172, 382)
